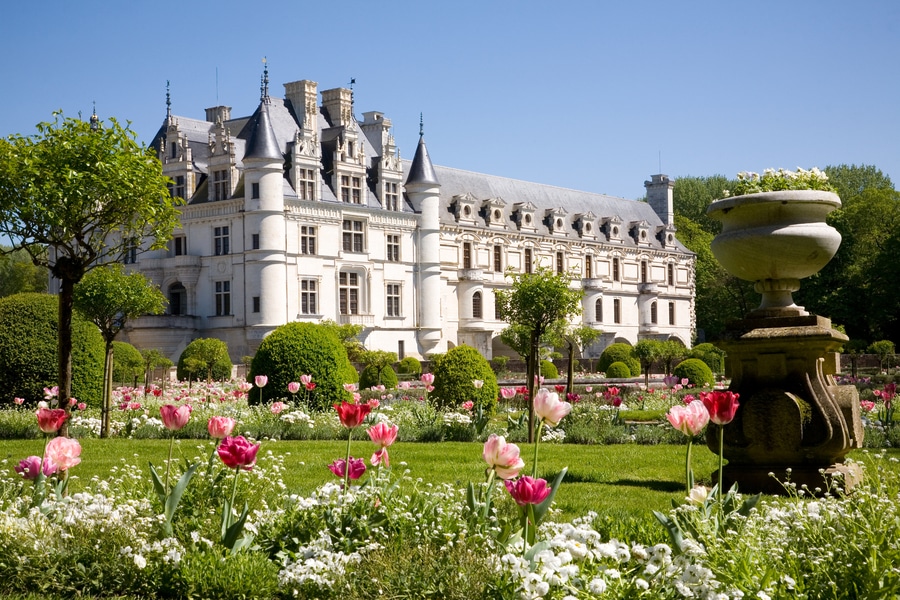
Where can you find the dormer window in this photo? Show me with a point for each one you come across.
(666, 236)
(613, 228)
(584, 225)
(464, 207)
(492, 210)
(556, 221)
(640, 231)
(523, 215)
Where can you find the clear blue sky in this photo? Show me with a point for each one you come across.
(593, 95)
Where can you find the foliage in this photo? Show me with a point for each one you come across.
(883, 348)
(205, 357)
(618, 370)
(18, 274)
(78, 194)
(647, 351)
(692, 196)
(28, 344)
(128, 364)
(499, 362)
(453, 377)
(619, 352)
(410, 365)
(713, 356)
(297, 349)
(372, 376)
(549, 370)
(153, 359)
(670, 352)
(780, 180)
(348, 334)
(695, 371)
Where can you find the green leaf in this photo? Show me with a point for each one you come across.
(158, 485)
(541, 509)
(174, 498)
(234, 530)
(672, 527)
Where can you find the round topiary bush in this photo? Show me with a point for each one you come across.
(454, 373)
(713, 357)
(369, 377)
(410, 365)
(549, 370)
(619, 352)
(695, 371)
(618, 370)
(297, 349)
(205, 351)
(128, 364)
(28, 350)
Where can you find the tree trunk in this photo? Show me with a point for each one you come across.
(570, 379)
(529, 383)
(64, 347)
(106, 403)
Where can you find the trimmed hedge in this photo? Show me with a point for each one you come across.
(713, 356)
(549, 370)
(369, 377)
(410, 365)
(128, 363)
(201, 348)
(619, 352)
(694, 370)
(29, 326)
(297, 349)
(454, 373)
(618, 370)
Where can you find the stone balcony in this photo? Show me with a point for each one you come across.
(364, 320)
(592, 283)
(470, 275)
(648, 288)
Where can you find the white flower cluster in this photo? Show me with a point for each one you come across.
(553, 435)
(453, 418)
(298, 416)
(316, 565)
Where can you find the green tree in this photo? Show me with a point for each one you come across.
(538, 302)
(693, 195)
(882, 348)
(647, 351)
(584, 336)
(75, 195)
(378, 360)
(128, 364)
(670, 352)
(108, 297)
(18, 274)
(348, 334)
(211, 356)
(153, 359)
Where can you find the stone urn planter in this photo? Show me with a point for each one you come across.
(793, 417)
(775, 239)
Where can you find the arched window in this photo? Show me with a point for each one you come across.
(671, 274)
(467, 255)
(653, 313)
(671, 313)
(598, 310)
(588, 266)
(476, 306)
(177, 299)
(617, 311)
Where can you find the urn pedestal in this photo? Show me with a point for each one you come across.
(794, 422)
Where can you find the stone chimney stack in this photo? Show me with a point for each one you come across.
(660, 197)
(338, 104)
(218, 114)
(303, 96)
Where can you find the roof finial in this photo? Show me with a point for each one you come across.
(421, 125)
(264, 83)
(95, 120)
(168, 100)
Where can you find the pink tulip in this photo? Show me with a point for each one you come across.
(220, 427)
(294, 387)
(549, 408)
(82, 406)
(305, 379)
(689, 420)
(174, 417)
(63, 452)
(468, 405)
(19, 401)
(73, 401)
(51, 419)
(508, 393)
(277, 407)
(238, 453)
(31, 466)
(350, 387)
(380, 457)
(374, 403)
(722, 406)
(357, 467)
(261, 380)
(51, 392)
(382, 434)
(503, 458)
(867, 405)
(427, 378)
(403, 385)
(526, 490)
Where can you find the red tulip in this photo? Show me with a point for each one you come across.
(51, 419)
(721, 406)
(175, 417)
(352, 415)
(238, 453)
(526, 490)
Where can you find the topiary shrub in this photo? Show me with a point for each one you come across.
(28, 350)
(410, 365)
(454, 373)
(195, 360)
(618, 370)
(549, 370)
(297, 349)
(128, 364)
(695, 371)
(619, 352)
(713, 357)
(369, 377)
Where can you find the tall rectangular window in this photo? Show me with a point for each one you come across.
(353, 240)
(615, 268)
(643, 271)
(393, 248)
(529, 260)
(176, 189)
(307, 239)
(220, 185)
(498, 258)
(254, 241)
(588, 266)
(221, 241)
(467, 255)
(654, 316)
(393, 299)
(671, 274)
(223, 298)
(391, 196)
(130, 255)
(254, 190)
(256, 304)
(179, 245)
(348, 293)
(351, 189)
(309, 297)
(306, 186)
(617, 311)
(671, 313)
(560, 263)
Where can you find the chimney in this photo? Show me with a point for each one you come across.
(303, 96)
(218, 114)
(338, 104)
(661, 198)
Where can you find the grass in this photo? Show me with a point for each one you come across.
(625, 480)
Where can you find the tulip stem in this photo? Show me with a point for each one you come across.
(488, 494)
(524, 531)
(687, 466)
(169, 463)
(347, 462)
(237, 471)
(721, 456)
(537, 441)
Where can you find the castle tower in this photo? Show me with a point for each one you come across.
(423, 191)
